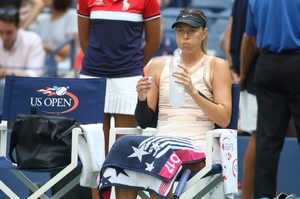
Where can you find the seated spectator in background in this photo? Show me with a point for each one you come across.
(56, 27)
(29, 9)
(21, 51)
(207, 83)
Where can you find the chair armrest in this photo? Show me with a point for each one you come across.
(3, 138)
(149, 131)
(114, 131)
(212, 138)
(76, 132)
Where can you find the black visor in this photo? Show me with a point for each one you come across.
(191, 19)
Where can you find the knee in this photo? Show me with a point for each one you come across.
(123, 193)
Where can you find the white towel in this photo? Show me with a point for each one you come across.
(91, 153)
(228, 151)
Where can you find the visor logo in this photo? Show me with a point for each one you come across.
(126, 5)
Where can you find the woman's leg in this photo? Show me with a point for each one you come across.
(169, 196)
(249, 164)
(106, 127)
(123, 193)
(120, 121)
(124, 121)
(194, 167)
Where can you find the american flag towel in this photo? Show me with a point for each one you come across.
(149, 163)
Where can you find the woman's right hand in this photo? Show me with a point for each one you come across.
(142, 87)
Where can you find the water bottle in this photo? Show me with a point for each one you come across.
(177, 91)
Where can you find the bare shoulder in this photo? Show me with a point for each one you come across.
(157, 64)
(159, 61)
(156, 67)
(219, 64)
(220, 70)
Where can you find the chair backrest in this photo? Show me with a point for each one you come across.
(63, 96)
(235, 93)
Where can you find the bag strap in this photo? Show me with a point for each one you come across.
(69, 130)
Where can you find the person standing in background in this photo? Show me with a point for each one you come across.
(276, 82)
(248, 106)
(111, 36)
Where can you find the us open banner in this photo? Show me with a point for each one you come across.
(51, 96)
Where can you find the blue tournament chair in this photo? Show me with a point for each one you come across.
(188, 184)
(84, 103)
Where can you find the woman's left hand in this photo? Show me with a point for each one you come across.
(184, 78)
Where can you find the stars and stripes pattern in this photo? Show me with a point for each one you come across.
(147, 162)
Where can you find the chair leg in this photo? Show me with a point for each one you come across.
(209, 186)
(143, 195)
(66, 188)
(39, 192)
(27, 182)
(7, 191)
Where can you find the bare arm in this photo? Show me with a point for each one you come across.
(219, 111)
(152, 38)
(37, 6)
(150, 91)
(65, 50)
(83, 32)
(226, 41)
(226, 49)
(248, 51)
(62, 53)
